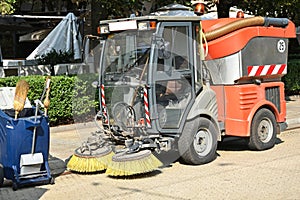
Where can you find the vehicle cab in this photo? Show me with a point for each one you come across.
(151, 71)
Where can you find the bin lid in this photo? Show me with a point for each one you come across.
(7, 95)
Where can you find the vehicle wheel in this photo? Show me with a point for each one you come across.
(52, 181)
(1, 175)
(263, 130)
(14, 186)
(198, 142)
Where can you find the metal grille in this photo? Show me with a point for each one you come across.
(273, 95)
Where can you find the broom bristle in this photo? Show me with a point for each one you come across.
(22, 88)
(82, 164)
(127, 166)
(90, 163)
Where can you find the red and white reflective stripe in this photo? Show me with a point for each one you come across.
(148, 122)
(103, 104)
(263, 70)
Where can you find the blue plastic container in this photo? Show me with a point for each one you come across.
(16, 138)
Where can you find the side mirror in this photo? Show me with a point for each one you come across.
(163, 49)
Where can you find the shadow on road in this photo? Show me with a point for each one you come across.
(138, 176)
(57, 166)
(26, 192)
(238, 144)
(29, 191)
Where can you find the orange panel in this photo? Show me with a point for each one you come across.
(242, 102)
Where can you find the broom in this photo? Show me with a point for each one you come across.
(127, 164)
(94, 162)
(22, 88)
(87, 159)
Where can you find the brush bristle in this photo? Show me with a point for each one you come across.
(106, 160)
(22, 88)
(79, 164)
(88, 164)
(133, 167)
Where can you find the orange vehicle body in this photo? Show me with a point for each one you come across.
(239, 101)
(237, 105)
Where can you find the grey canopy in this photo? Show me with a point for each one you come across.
(65, 37)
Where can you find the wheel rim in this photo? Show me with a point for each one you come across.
(203, 142)
(265, 130)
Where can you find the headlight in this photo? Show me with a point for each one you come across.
(103, 29)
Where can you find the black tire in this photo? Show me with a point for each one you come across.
(1, 175)
(263, 130)
(198, 142)
(52, 181)
(14, 186)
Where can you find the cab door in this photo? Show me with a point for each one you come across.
(172, 76)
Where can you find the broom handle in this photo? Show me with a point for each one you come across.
(34, 129)
(16, 115)
(37, 103)
(47, 100)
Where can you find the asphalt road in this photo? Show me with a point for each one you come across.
(237, 173)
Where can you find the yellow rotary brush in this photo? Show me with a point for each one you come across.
(127, 164)
(22, 88)
(92, 160)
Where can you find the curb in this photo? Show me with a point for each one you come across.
(293, 123)
(57, 129)
(71, 127)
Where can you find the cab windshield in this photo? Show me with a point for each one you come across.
(127, 52)
(124, 74)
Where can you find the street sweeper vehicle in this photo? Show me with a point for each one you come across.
(176, 81)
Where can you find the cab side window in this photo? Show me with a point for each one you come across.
(179, 46)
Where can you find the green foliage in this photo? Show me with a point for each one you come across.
(7, 6)
(276, 8)
(85, 97)
(118, 9)
(159, 4)
(53, 57)
(71, 98)
(292, 79)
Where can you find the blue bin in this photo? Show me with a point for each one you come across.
(16, 137)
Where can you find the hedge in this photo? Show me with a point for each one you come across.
(72, 98)
(292, 79)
